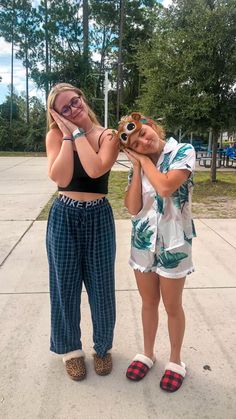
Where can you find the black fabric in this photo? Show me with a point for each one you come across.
(81, 182)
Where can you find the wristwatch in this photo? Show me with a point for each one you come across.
(78, 132)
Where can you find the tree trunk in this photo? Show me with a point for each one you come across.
(101, 65)
(215, 135)
(12, 64)
(209, 148)
(85, 32)
(27, 85)
(12, 56)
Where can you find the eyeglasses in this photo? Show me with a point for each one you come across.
(76, 102)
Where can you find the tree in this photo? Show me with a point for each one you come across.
(24, 137)
(118, 30)
(26, 25)
(60, 41)
(190, 67)
(18, 26)
(86, 32)
(103, 33)
(35, 138)
(12, 120)
(7, 23)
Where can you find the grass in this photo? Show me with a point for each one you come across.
(210, 200)
(22, 154)
(44, 213)
(204, 188)
(214, 200)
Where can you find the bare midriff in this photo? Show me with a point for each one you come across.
(82, 196)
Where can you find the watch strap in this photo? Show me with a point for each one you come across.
(78, 132)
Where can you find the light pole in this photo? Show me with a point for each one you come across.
(106, 89)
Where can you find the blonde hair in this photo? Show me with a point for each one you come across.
(54, 92)
(156, 127)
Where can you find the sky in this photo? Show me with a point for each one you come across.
(19, 70)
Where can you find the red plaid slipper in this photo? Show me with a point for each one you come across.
(139, 367)
(173, 377)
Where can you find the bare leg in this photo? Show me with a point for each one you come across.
(149, 289)
(171, 290)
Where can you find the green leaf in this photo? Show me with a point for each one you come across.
(160, 204)
(170, 260)
(164, 166)
(181, 153)
(176, 199)
(141, 236)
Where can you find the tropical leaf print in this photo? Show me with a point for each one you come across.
(164, 166)
(155, 261)
(176, 199)
(160, 204)
(141, 236)
(184, 193)
(181, 153)
(190, 181)
(181, 195)
(189, 241)
(170, 260)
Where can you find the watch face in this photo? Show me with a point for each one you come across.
(78, 132)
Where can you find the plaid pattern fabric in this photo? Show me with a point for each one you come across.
(80, 245)
(171, 381)
(137, 370)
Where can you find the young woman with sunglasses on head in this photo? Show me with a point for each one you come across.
(159, 198)
(80, 232)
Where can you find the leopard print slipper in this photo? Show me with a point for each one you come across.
(75, 365)
(103, 365)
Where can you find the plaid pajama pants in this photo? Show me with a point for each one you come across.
(81, 249)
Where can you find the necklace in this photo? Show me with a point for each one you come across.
(91, 129)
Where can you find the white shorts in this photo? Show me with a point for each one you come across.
(175, 263)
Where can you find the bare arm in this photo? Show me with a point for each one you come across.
(96, 164)
(164, 183)
(60, 158)
(133, 196)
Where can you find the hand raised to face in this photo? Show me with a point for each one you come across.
(66, 127)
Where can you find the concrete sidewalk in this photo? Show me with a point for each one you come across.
(33, 383)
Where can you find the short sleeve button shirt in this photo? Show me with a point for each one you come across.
(166, 221)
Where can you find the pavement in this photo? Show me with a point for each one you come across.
(33, 383)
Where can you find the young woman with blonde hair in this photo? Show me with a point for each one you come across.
(80, 232)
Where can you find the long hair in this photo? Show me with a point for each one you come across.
(54, 92)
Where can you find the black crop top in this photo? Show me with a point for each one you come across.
(82, 182)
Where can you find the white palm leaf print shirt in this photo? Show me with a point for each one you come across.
(166, 221)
